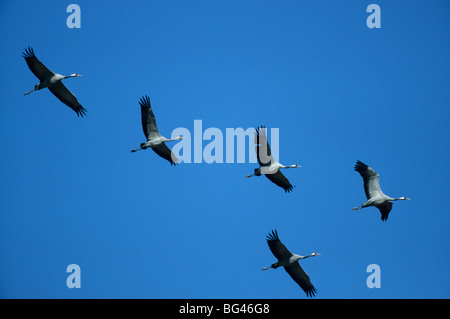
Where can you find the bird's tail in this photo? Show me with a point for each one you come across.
(142, 147)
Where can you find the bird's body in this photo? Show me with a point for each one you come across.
(47, 82)
(286, 261)
(154, 140)
(52, 81)
(290, 263)
(271, 169)
(268, 166)
(374, 194)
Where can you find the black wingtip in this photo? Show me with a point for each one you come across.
(259, 129)
(145, 101)
(273, 235)
(81, 112)
(289, 189)
(28, 53)
(311, 292)
(360, 166)
(174, 161)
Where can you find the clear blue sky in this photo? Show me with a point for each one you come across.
(72, 193)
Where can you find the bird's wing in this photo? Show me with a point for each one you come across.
(385, 209)
(36, 66)
(163, 151)
(371, 180)
(301, 278)
(65, 96)
(148, 119)
(262, 147)
(281, 180)
(278, 249)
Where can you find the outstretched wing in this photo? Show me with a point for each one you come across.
(301, 278)
(36, 66)
(65, 96)
(371, 180)
(262, 147)
(279, 179)
(148, 119)
(163, 151)
(385, 208)
(277, 248)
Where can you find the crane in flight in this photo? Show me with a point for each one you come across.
(268, 166)
(290, 263)
(375, 197)
(52, 81)
(155, 141)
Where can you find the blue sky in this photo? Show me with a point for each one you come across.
(72, 193)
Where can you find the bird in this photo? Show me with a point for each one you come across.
(290, 263)
(375, 197)
(154, 140)
(268, 165)
(52, 81)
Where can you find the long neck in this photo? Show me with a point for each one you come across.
(70, 76)
(311, 255)
(292, 166)
(173, 139)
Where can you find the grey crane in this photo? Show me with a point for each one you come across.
(52, 81)
(154, 140)
(375, 197)
(290, 263)
(268, 166)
